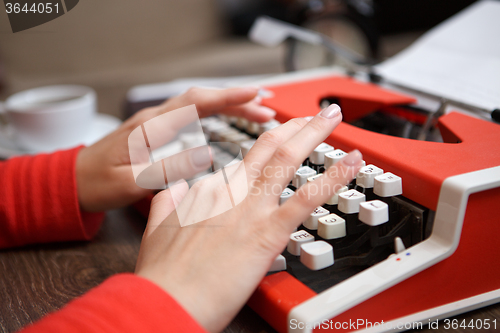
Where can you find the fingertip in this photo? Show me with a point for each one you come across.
(331, 112)
(251, 92)
(267, 113)
(353, 158)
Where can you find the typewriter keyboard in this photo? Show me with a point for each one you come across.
(361, 225)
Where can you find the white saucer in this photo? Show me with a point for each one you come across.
(103, 125)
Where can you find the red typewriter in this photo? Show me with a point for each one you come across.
(431, 257)
(445, 221)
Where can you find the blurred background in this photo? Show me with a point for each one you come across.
(113, 45)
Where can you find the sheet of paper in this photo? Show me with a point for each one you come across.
(459, 59)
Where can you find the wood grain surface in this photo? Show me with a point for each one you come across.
(36, 280)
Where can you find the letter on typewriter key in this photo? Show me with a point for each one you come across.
(334, 200)
(301, 176)
(331, 227)
(285, 195)
(388, 185)
(318, 155)
(366, 175)
(297, 239)
(316, 255)
(349, 201)
(373, 212)
(279, 264)
(312, 221)
(333, 157)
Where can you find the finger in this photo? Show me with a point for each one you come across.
(288, 157)
(316, 193)
(230, 101)
(163, 204)
(265, 146)
(251, 111)
(187, 163)
(183, 165)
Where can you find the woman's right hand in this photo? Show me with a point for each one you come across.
(212, 267)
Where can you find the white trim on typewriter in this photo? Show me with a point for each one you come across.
(441, 244)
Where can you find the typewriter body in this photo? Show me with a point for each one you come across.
(447, 219)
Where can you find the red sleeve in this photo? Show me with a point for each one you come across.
(123, 303)
(39, 202)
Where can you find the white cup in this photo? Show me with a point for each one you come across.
(48, 118)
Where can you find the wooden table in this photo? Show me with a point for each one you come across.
(36, 280)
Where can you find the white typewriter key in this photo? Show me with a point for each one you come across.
(253, 127)
(301, 176)
(215, 126)
(268, 126)
(318, 155)
(192, 140)
(333, 157)
(285, 195)
(207, 121)
(246, 146)
(216, 134)
(334, 200)
(366, 175)
(224, 118)
(279, 264)
(373, 212)
(331, 227)
(229, 135)
(313, 178)
(349, 201)
(297, 239)
(242, 123)
(388, 185)
(312, 221)
(316, 255)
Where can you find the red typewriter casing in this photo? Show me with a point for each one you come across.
(468, 146)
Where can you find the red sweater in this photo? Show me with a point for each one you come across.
(38, 204)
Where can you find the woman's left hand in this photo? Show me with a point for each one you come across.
(103, 172)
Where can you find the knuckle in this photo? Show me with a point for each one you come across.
(298, 122)
(270, 138)
(317, 126)
(196, 187)
(285, 154)
(194, 94)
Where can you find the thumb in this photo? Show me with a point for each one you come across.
(163, 204)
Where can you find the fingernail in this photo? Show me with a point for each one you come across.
(252, 89)
(353, 158)
(201, 157)
(267, 111)
(330, 112)
(257, 99)
(264, 93)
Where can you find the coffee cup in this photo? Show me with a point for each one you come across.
(48, 118)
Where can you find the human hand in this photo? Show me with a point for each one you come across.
(212, 267)
(103, 172)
